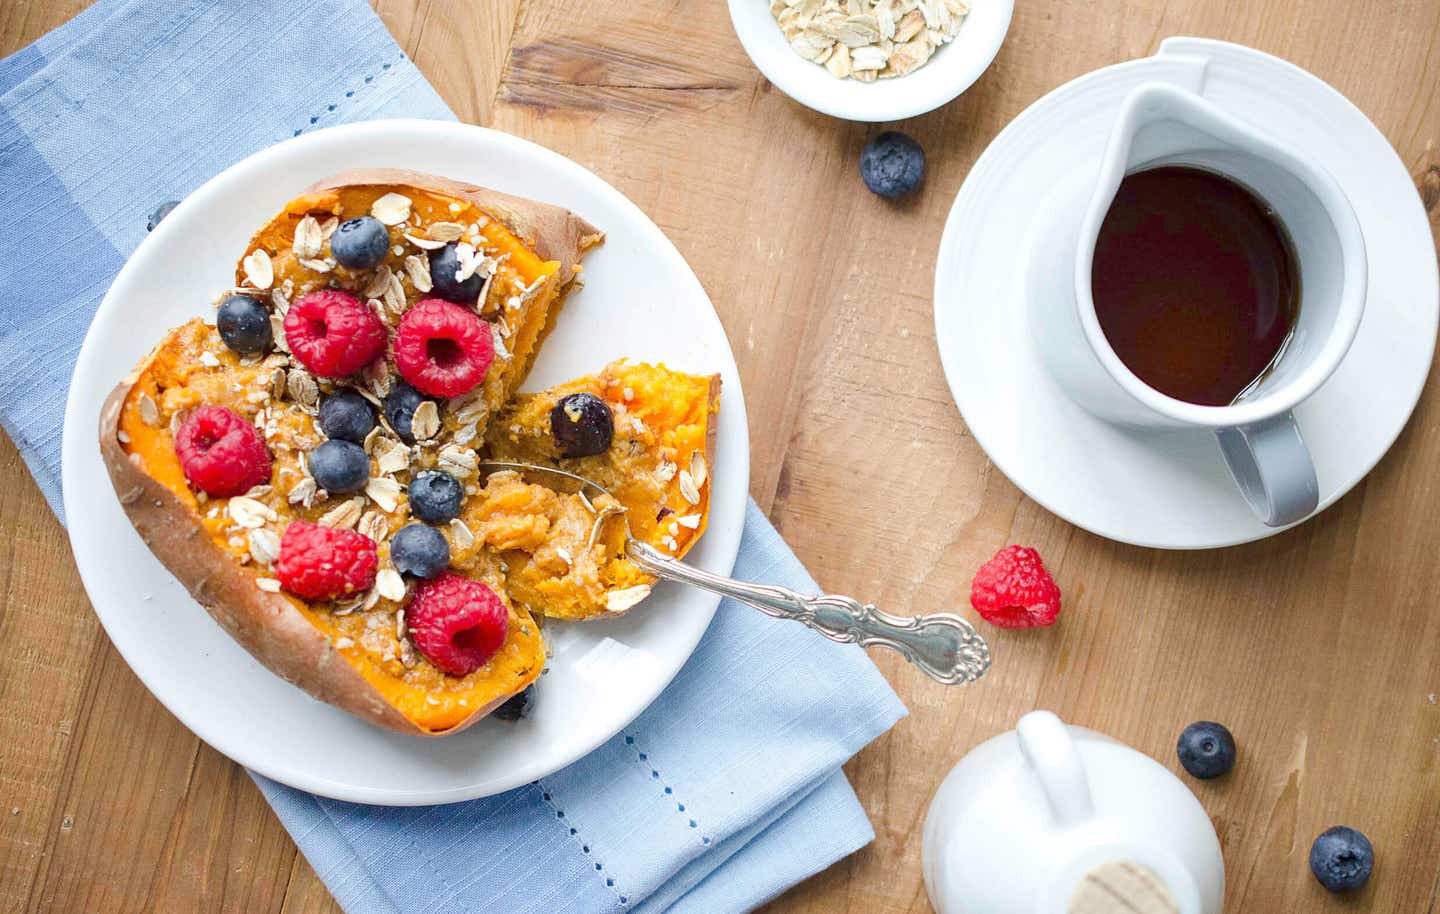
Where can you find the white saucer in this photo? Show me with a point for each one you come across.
(1171, 490)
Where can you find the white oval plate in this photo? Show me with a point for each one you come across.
(640, 300)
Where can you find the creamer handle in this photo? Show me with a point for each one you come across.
(1046, 744)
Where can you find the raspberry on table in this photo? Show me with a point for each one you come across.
(322, 563)
(332, 333)
(1013, 590)
(457, 623)
(442, 349)
(220, 453)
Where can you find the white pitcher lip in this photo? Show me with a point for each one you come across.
(1204, 115)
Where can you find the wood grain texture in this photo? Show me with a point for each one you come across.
(1320, 648)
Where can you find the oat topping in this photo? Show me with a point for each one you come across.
(264, 546)
(393, 296)
(308, 239)
(390, 455)
(446, 231)
(149, 412)
(303, 492)
(378, 283)
(384, 491)
(688, 487)
(869, 39)
(426, 423)
(460, 535)
(344, 515)
(374, 525)
(424, 244)
(391, 586)
(418, 269)
(302, 387)
(250, 513)
(258, 269)
(617, 601)
(391, 209)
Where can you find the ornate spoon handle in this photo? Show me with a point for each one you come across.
(943, 645)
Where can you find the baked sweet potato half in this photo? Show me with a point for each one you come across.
(229, 459)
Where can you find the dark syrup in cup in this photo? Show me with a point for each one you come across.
(1195, 283)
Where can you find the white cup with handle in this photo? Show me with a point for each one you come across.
(1160, 124)
(1054, 819)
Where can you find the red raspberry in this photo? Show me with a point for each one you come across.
(1013, 590)
(321, 563)
(333, 334)
(442, 349)
(221, 453)
(457, 623)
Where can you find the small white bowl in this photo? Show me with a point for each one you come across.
(953, 68)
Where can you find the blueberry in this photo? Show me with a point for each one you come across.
(892, 164)
(346, 415)
(1342, 858)
(1206, 749)
(435, 496)
(443, 264)
(244, 325)
(160, 213)
(582, 425)
(420, 551)
(518, 706)
(360, 244)
(400, 405)
(340, 466)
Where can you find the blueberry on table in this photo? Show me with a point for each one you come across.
(1341, 859)
(244, 325)
(160, 213)
(360, 244)
(444, 263)
(892, 164)
(346, 415)
(435, 496)
(582, 425)
(399, 406)
(340, 466)
(420, 551)
(518, 706)
(1206, 749)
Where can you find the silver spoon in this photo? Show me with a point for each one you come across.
(944, 646)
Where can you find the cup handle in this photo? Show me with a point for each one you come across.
(1269, 462)
(1046, 744)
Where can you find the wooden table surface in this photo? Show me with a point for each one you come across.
(1320, 648)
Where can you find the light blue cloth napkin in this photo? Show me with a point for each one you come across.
(721, 795)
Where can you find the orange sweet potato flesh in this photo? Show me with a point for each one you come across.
(657, 468)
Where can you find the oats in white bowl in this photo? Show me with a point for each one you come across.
(868, 40)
